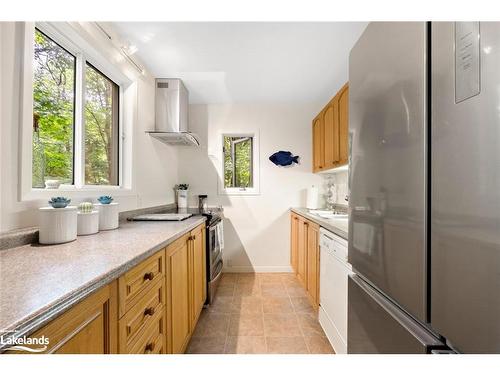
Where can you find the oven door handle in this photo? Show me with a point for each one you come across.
(218, 270)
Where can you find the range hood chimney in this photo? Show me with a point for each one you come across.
(171, 113)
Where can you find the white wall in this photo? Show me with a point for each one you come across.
(154, 171)
(256, 227)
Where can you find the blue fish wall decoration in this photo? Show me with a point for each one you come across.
(284, 158)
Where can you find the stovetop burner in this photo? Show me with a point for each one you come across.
(213, 215)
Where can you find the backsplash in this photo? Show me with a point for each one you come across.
(340, 181)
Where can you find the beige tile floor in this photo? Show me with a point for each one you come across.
(259, 313)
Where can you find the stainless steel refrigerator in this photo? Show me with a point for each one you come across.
(424, 181)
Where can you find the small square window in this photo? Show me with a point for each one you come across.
(238, 160)
(240, 174)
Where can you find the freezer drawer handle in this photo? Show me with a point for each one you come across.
(442, 351)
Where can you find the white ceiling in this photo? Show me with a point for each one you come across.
(223, 62)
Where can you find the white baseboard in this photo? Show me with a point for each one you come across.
(260, 269)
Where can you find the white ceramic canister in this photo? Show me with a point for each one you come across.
(88, 223)
(57, 225)
(182, 196)
(108, 216)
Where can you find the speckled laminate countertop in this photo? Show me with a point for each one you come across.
(337, 226)
(38, 283)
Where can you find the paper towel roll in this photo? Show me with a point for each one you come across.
(312, 198)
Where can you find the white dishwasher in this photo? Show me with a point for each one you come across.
(334, 273)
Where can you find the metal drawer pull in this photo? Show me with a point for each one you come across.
(149, 347)
(149, 276)
(149, 311)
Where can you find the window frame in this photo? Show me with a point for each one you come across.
(255, 189)
(68, 36)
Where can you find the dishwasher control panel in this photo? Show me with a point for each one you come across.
(333, 244)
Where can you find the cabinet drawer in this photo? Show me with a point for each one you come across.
(132, 285)
(151, 340)
(148, 309)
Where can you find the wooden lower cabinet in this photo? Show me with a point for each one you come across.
(305, 244)
(312, 284)
(198, 281)
(148, 314)
(294, 242)
(134, 283)
(151, 309)
(302, 250)
(186, 287)
(178, 295)
(87, 328)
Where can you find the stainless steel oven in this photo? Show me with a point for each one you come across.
(214, 256)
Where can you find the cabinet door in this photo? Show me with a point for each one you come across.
(294, 242)
(87, 328)
(178, 295)
(318, 144)
(331, 134)
(198, 273)
(313, 263)
(343, 124)
(302, 251)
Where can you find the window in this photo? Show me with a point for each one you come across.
(53, 112)
(238, 162)
(239, 165)
(101, 128)
(75, 145)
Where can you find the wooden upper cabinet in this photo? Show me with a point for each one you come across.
(331, 133)
(343, 103)
(318, 144)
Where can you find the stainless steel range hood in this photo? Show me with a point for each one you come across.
(171, 113)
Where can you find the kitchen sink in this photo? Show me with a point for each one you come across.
(328, 214)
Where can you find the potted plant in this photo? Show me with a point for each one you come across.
(182, 194)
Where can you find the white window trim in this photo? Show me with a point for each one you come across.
(68, 37)
(255, 190)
